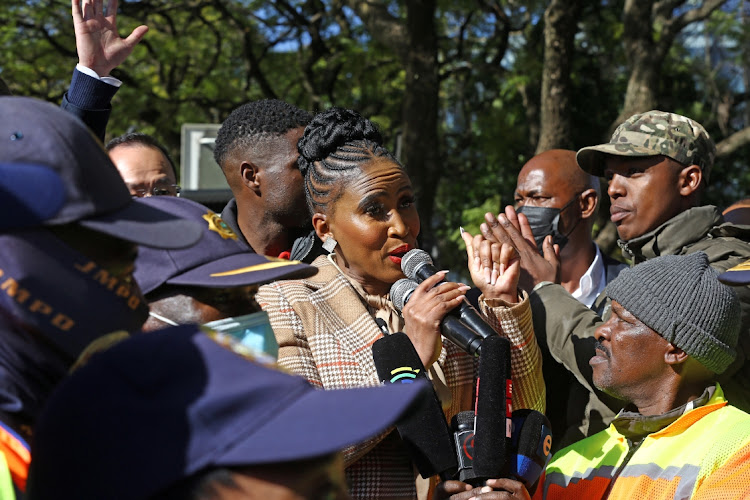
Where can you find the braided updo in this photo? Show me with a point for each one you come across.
(335, 146)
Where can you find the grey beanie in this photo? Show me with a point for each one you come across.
(680, 297)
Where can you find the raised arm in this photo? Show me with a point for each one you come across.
(100, 50)
(495, 270)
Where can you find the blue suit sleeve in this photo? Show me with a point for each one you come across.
(90, 100)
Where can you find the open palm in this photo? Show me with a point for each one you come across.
(100, 47)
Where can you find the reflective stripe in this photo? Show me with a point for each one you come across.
(560, 479)
(687, 475)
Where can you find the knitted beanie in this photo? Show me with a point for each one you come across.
(680, 297)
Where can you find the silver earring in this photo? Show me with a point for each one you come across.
(329, 245)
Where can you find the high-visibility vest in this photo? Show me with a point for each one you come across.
(703, 454)
(6, 483)
(15, 458)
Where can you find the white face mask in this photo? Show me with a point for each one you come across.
(252, 331)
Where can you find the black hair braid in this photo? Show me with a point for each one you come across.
(335, 145)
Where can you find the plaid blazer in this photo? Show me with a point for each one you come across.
(325, 334)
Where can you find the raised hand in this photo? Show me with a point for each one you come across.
(99, 46)
(495, 267)
(513, 229)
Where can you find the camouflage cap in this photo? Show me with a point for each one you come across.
(650, 134)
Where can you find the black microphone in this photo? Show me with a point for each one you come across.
(424, 430)
(451, 326)
(493, 409)
(532, 441)
(417, 265)
(462, 426)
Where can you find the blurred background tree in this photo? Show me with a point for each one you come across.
(465, 91)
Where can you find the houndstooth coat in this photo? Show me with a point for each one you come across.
(325, 334)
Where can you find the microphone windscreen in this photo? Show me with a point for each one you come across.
(401, 291)
(424, 430)
(532, 440)
(492, 435)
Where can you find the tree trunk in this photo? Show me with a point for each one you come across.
(644, 58)
(420, 109)
(415, 43)
(560, 26)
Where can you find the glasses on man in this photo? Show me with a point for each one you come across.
(160, 190)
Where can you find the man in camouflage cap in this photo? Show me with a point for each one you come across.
(651, 134)
(657, 165)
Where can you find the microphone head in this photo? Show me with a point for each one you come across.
(401, 291)
(463, 420)
(413, 260)
(532, 440)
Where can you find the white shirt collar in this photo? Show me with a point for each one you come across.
(593, 281)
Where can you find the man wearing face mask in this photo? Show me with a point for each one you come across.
(213, 282)
(561, 200)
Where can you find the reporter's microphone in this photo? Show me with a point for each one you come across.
(451, 327)
(532, 441)
(417, 265)
(424, 430)
(492, 433)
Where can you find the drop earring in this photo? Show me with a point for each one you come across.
(329, 244)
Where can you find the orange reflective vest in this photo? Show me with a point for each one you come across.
(16, 458)
(704, 454)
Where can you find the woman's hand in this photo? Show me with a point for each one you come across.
(513, 229)
(495, 267)
(427, 306)
(505, 489)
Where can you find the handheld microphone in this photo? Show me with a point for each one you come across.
(493, 424)
(451, 327)
(532, 440)
(424, 430)
(462, 426)
(417, 265)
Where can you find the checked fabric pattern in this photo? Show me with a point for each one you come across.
(325, 334)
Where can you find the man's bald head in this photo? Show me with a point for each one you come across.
(552, 179)
(559, 168)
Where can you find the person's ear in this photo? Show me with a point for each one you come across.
(674, 355)
(249, 173)
(690, 180)
(588, 200)
(321, 226)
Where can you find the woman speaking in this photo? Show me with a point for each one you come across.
(362, 206)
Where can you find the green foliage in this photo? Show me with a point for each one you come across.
(201, 59)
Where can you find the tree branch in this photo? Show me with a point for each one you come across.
(676, 24)
(382, 26)
(733, 142)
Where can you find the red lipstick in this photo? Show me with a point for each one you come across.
(397, 253)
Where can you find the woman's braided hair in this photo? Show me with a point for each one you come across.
(335, 146)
